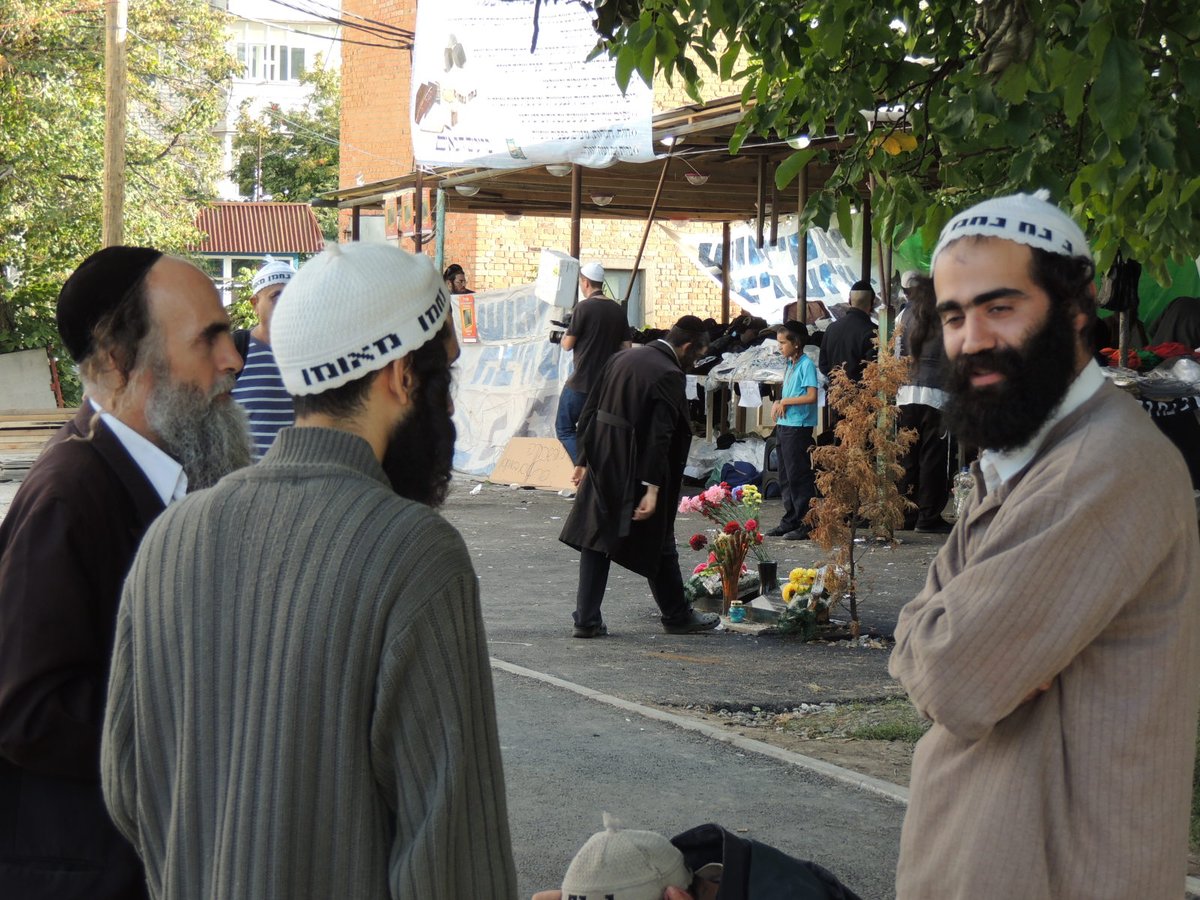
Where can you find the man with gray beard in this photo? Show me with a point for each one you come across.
(157, 363)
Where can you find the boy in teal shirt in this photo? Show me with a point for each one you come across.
(795, 417)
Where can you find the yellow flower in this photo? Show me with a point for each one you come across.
(797, 574)
(789, 591)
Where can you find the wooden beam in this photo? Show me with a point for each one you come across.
(418, 211)
(760, 201)
(646, 231)
(866, 240)
(802, 250)
(355, 223)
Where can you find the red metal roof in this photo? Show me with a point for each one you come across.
(257, 228)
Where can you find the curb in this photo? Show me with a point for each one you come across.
(893, 792)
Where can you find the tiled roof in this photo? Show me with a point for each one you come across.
(257, 228)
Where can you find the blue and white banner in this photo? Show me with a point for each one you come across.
(764, 281)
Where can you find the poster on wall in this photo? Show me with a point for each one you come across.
(481, 98)
(468, 331)
(764, 281)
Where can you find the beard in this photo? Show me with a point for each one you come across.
(206, 432)
(1037, 375)
(420, 452)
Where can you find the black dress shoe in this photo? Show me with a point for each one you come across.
(939, 527)
(590, 631)
(777, 531)
(799, 534)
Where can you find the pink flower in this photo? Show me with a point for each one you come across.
(751, 524)
(758, 538)
(698, 542)
(732, 527)
(700, 568)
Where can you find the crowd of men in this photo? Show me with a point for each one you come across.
(220, 679)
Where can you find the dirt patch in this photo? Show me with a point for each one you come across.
(874, 737)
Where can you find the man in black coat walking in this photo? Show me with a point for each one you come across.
(634, 436)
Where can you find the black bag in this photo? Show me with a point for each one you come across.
(756, 871)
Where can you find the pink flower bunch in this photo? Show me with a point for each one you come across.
(734, 510)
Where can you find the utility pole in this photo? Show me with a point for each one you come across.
(116, 18)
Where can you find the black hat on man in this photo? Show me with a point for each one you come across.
(95, 290)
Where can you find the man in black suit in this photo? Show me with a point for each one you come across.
(157, 362)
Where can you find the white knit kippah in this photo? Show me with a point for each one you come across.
(352, 310)
(625, 865)
(1023, 218)
(274, 271)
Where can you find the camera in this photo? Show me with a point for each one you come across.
(560, 329)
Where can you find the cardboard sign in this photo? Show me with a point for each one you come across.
(468, 328)
(534, 462)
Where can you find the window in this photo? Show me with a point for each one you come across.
(270, 62)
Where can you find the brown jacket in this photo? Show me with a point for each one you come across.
(66, 545)
(1083, 571)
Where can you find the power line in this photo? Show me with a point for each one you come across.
(394, 30)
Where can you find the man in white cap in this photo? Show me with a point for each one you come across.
(301, 704)
(260, 388)
(1056, 643)
(598, 329)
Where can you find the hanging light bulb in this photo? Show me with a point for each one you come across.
(558, 170)
(467, 190)
(602, 199)
(799, 142)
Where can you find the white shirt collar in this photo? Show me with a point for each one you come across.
(165, 475)
(667, 343)
(998, 467)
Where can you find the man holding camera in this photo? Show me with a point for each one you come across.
(597, 330)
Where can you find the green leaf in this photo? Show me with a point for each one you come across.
(845, 223)
(729, 59)
(626, 61)
(791, 167)
(646, 63)
(1119, 88)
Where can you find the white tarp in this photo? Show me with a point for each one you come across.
(764, 281)
(480, 98)
(507, 384)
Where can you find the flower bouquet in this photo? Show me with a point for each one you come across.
(809, 599)
(735, 511)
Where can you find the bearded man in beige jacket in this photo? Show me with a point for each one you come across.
(1056, 643)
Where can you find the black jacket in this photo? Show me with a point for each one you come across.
(634, 428)
(847, 342)
(65, 547)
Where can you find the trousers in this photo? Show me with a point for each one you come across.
(666, 586)
(797, 483)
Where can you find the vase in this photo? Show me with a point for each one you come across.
(730, 576)
(768, 578)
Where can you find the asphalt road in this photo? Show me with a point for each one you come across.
(567, 760)
(528, 582)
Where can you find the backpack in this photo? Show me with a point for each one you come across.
(757, 871)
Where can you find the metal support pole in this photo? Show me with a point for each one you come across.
(726, 248)
(418, 210)
(760, 201)
(355, 223)
(440, 230)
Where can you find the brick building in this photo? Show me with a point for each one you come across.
(495, 250)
